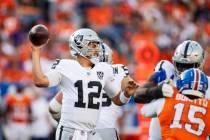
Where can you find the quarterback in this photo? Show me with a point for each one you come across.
(81, 82)
(106, 124)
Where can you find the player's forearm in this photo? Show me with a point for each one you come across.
(140, 96)
(39, 78)
(146, 95)
(148, 84)
(143, 99)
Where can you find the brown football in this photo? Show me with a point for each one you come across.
(38, 34)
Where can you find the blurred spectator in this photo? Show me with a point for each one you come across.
(130, 123)
(123, 24)
(18, 115)
(2, 117)
(41, 125)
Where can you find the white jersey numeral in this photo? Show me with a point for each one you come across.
(191, 116)
(177, 117)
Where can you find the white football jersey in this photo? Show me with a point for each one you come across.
(82, 91)
(154, 130)
(109, 111)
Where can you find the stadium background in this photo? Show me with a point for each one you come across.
(140, 32)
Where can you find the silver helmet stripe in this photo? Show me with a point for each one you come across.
(103, 48)
(186, 49)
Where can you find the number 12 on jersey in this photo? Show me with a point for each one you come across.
(80, 103)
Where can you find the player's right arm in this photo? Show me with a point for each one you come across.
(52, 78)
(39, 78)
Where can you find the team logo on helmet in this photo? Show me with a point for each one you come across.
(78, 40)
(100, 75)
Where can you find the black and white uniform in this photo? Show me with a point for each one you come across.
(82, 95)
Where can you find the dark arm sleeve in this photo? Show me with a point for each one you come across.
(146, 95)
(148, 91)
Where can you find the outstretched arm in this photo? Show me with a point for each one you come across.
(147, 94)
(150, 89)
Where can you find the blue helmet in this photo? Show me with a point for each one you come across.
(193, 82)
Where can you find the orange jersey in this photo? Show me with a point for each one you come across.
(185, 119)
(19, 106)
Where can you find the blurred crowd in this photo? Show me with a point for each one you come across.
(140, 32)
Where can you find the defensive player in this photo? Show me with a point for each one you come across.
(187, 55)
(186, 114)
(81, 82)
(18, 115)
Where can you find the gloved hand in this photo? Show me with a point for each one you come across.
(167, 89)
(158, 76)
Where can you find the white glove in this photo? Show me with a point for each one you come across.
(167, 90)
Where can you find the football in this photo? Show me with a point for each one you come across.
(38, 34)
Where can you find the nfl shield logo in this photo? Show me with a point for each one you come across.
(100, 75)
